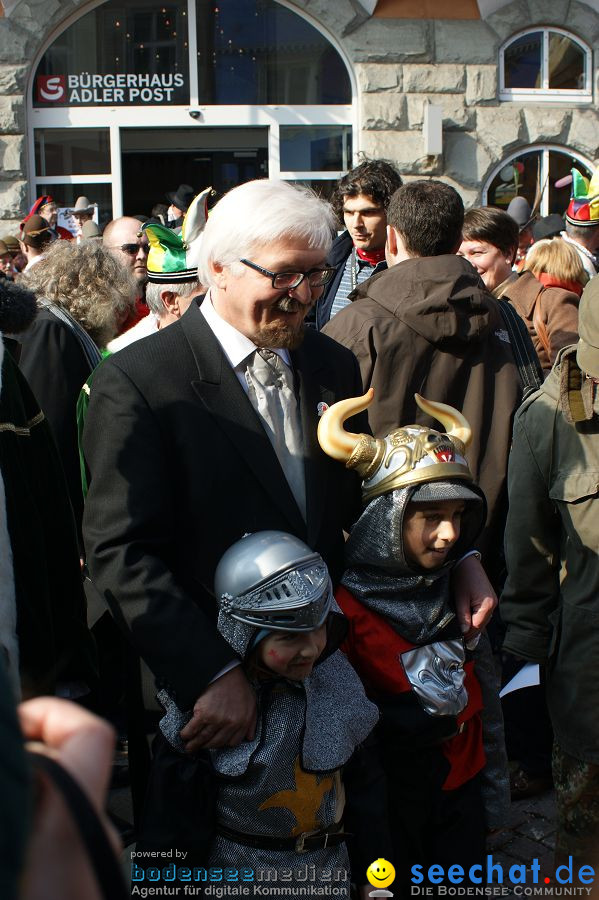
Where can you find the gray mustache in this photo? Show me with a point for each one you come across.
(289, 304)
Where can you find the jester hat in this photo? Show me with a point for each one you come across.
(583, 209)
(173, 257)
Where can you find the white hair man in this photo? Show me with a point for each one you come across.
(167, 303)
(184, 456)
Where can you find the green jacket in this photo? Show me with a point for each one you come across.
(550, 603)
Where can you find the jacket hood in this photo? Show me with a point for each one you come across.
(441, 298)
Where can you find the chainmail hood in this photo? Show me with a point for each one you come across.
(414, 600)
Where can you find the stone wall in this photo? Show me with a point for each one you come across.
(454, 65)
(23, 30)
(399, 64)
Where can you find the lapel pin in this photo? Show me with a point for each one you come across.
(321, 408)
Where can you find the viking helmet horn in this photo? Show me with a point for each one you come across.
(456, 426)
(332, 437)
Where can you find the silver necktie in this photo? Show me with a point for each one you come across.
(271, 393)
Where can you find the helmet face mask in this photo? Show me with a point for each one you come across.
(296, 600)
(273, 580)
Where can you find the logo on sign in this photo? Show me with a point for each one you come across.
(51, 88)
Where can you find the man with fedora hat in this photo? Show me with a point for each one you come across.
(19, 260)
(82, 212)
(180, 201)
(6, 265)
(520, 210)
(36, 235)
(550, 601)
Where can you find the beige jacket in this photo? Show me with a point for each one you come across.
(550, 314)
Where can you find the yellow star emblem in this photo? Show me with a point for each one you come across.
(304, 800)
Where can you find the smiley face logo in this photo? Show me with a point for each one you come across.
(380, 873)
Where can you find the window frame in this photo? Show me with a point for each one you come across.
(546, 94)
(116, 118)
(544, 150)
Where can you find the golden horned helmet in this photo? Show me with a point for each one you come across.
(406, 456)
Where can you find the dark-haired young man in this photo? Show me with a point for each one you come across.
(360, 201)
(428, 325)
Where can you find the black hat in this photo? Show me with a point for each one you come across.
(519, 210)
(548, 226)
(182, 197)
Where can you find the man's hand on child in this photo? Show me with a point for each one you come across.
(475, 599)
(224, 715)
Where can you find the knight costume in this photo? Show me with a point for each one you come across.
(288, 800)
(404, 638)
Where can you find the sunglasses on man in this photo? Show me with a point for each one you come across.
(133, 249)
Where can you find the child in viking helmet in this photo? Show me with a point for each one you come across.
(422, 512)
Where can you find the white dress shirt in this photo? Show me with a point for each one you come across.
(236, 346)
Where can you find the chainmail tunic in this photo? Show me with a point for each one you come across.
(418, 605)
(287, 780)
(274, 796)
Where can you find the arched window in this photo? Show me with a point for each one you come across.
(535, 173)
(545, 64)
(257, 51)
(133, 97)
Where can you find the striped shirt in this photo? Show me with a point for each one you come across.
(355, 271)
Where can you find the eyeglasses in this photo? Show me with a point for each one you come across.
(133, 249)
(290, 280)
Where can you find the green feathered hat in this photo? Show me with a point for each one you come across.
(173, 257)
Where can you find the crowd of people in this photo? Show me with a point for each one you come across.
(260, 489)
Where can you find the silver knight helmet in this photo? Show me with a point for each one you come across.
(273, 580)
(407, 456)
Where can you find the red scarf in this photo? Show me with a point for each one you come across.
(553, 281)
(371, 256)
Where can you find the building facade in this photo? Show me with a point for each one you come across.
(123, 100)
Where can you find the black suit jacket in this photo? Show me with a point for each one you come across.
(180, 468)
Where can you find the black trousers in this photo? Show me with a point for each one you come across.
(528, 730)
(431, 826)
(179, 811)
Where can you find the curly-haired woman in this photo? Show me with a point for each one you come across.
(83, 296)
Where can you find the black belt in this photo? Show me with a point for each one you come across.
(308, 840)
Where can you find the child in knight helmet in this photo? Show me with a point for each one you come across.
(290, 798)
(422, 512)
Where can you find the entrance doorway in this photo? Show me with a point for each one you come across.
(156, 161)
